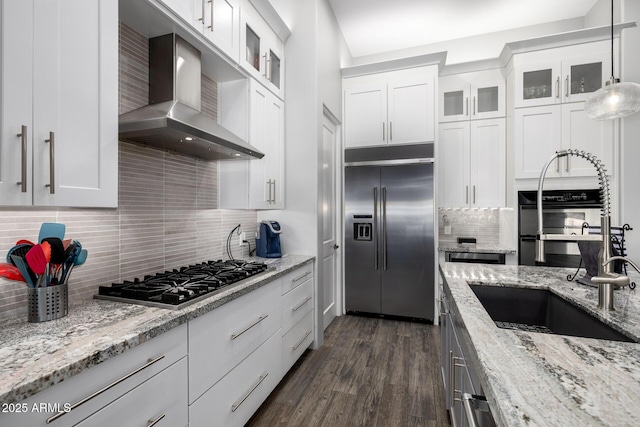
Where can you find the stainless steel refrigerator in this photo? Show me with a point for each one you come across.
(389, 242)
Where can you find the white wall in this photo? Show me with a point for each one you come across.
(600, 13)
(478, 47)
(313, 55)
(630, 129)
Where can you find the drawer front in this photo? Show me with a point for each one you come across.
(296, 277)
(221, 339)
(296, 304)
(162, 399)
(233, 400)
(104, 383)
(296, 341)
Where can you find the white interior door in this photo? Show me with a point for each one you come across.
(330, 259)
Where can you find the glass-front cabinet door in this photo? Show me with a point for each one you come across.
(454, 103)
(583, 76)
(488, 100)
(538, 84)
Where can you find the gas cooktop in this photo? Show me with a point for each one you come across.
(181, 287)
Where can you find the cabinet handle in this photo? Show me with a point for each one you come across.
(269, 187)
(558, 87)
(306, 334)
(265, 66)
(567, 165)
(474, 105)
(151, 423)
(558, 164)
(566, 87)
(23, 173)
(201, 19)
(236, 405)
(474, 194)
(466, 108)
(383, 132)
(452, 378)
(211, 26)
(274, 190)
(467, 195)
(301, 277)
(297, 307)
(260, 319)
(390, 131)
(102, 390)
(52, 163)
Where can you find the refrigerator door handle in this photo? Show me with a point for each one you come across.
(384, 228)
(375, 227)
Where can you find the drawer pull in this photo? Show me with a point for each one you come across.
(297, 307)
(234, 336)
(151, 423)
(246, 396)
(301, 277)
(103, 389)
(295, 347)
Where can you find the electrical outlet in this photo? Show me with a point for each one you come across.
(242, 238)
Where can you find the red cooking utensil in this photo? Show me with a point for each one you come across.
(36, 260)
(10, 271)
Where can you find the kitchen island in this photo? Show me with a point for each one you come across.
(544, 379)
(37, 356)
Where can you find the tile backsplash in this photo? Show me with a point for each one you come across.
(490, 226)
(167, 213)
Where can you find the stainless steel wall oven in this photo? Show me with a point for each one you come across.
(564, 212)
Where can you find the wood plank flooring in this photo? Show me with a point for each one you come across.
(368, 372)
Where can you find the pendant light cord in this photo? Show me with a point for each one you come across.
(612, 76)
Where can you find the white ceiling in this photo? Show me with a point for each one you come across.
(376, 26)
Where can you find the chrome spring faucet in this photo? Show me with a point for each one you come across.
(606, 278)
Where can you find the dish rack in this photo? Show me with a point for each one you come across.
(617, 243)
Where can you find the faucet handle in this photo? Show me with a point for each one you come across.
(613, 278)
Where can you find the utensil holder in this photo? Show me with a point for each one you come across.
(48, 303)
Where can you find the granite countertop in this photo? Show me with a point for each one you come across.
(35, 356)
(533, 379)
(477, 248)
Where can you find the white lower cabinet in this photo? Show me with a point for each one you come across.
(111, 382)
(161, 401)
(221, 339)
(234, 399)
(296, 341)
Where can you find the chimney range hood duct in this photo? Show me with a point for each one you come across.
(173, 120)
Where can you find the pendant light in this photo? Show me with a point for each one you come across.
(615, 99)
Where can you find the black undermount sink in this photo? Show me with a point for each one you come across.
(540, 310)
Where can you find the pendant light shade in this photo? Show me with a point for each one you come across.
(615, 99)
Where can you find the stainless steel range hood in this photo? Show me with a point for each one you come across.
(173, 120)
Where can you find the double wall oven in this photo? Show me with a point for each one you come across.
(564, 212)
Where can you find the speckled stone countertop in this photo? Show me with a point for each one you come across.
(490, 249)
(35, 356)
(533, 379)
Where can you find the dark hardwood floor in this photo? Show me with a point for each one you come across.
(368, 372)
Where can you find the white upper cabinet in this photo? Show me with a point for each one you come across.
(472, 163)
(66, 103)
(541, 131)
(567, 74)
(216, 20)
(471, 96)
(259, 183)
(261, 51)
(390, 108)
